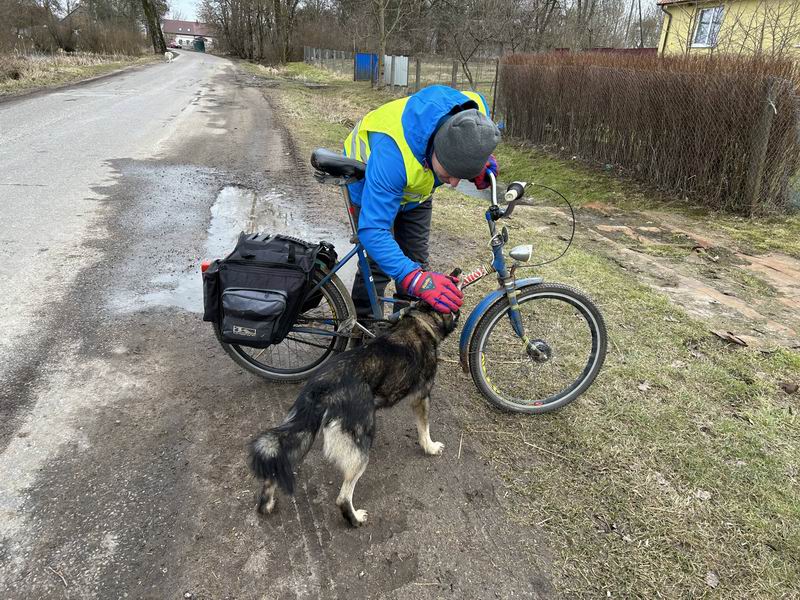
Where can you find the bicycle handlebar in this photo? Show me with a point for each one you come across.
(515, 191)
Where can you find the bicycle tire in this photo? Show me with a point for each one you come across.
(565, 295)
(244, 356)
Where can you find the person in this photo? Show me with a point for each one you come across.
(411, 146)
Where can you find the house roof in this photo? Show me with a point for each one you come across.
(186, 27)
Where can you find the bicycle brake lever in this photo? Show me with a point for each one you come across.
(513, 204)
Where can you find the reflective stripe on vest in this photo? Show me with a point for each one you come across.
(388, 119)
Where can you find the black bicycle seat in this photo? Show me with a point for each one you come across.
(337, 165)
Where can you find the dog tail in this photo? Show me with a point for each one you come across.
(275, 453)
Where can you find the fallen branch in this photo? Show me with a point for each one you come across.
(59, 574)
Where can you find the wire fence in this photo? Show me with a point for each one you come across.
(722, 131)
(477, 75)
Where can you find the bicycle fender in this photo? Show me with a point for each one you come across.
(480, 310)
(348, 300)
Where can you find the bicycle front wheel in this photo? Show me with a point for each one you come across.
(565, 350)
(307, 347)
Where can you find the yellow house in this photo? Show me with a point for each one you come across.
(770, 27)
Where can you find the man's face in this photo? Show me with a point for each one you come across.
(443, 175)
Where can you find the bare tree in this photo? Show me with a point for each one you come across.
(285, 12)
(387, 15)
(152, 12)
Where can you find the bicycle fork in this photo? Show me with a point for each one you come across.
(537, 350)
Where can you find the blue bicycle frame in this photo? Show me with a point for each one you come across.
(509, 286)
(376, 303)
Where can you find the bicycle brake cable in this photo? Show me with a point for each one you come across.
(571, 237)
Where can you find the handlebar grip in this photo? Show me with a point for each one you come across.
(515, 191)
(456, 272)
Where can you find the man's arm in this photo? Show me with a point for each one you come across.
(380, 202)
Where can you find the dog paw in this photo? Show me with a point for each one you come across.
(360, 518)
(265, 507)
(434, 448)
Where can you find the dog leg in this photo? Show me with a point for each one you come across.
(266, 499)
(422, 408)
(340, 448)
(356, 518)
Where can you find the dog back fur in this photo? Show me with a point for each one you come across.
(344, 395)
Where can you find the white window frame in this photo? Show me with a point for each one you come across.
(715, 16)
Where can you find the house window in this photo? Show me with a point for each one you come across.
(179, 29)
(708, 24)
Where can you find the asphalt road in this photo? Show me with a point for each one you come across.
(122, 422)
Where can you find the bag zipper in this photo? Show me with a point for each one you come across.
(263, 265)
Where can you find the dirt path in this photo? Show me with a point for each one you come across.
(124, 474)
(754, 298)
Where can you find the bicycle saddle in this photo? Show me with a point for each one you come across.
(337, 165)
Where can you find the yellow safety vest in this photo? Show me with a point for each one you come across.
(388, 119)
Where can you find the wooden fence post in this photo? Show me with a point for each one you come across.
(416, 76)
(454, 75)
(759, 143)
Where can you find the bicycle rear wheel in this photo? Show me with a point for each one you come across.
(307, 347)
(568, 331)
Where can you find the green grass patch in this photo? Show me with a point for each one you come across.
(583, 184)
(776, 234)
(676, 474)
(680, 461)
(578, 182)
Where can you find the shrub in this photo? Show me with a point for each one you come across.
(721, 130)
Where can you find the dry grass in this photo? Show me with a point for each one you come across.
(676, 475)
(20, 73)
(681, 463)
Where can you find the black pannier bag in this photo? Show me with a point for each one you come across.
(326, 259)
(257, 291)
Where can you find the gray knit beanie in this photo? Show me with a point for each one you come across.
(464, 142)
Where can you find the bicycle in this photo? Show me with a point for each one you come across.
(556, 350)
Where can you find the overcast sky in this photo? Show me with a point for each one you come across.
(187, 9)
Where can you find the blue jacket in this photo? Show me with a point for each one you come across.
(380, 193)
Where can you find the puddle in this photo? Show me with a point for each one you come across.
(468, 189)
(238, 209)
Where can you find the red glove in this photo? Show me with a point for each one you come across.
(482, 181)
(440, 291)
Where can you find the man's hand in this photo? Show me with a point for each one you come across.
(436, 289)
(482, 181)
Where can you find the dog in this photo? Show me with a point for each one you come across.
(168, 56)
(341, 401)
